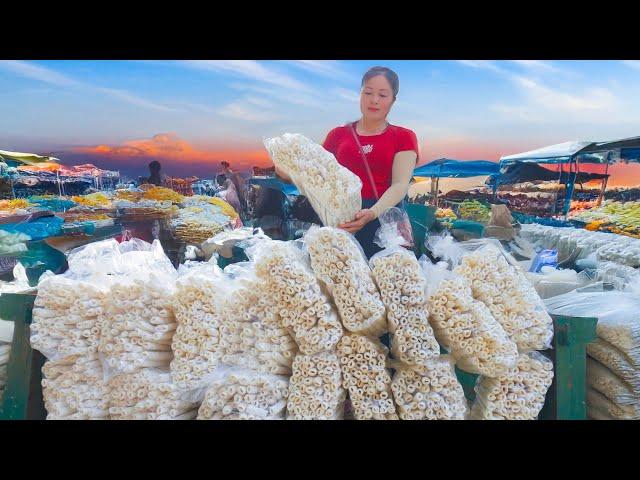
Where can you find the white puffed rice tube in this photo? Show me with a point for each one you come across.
(403, 290)
(148, 394)
(315, 388)
(198, 312)
(510, 297)
(245, 395)
(303, 306)
(468, 330)
(338, 261)
(73, 388)
(366, 378)
(332, 190)
(518, 394)
(429, 392)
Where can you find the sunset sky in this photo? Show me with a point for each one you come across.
(190, 115)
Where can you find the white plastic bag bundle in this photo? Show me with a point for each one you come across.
(518, 394)
(139, 320)
(337, 259)
(429, 392)
(464, 326)
(148, 394)
(199, 297)
(600, 407)
(507, 293)
(5, 353)
(251, 333)
(332, 190)
(303, 306)
(73, 388)
(366, 378)
(315, 388)
(68, 314)
(615, 360)
(240, 394)
(618, 315)
(603, 380)
(402, 286)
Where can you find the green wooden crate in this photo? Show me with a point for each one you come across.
(23, 391)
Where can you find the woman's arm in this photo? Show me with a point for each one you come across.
(404, 164)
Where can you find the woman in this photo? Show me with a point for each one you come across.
(228, 192)
(382, 155)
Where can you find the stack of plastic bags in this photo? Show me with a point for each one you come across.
(424, 385)
(106, 327)
(613, 366)
(490, 318)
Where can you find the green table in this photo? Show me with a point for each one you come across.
(22, 397)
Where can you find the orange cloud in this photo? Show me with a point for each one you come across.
(177, 156)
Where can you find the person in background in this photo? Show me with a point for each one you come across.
(228, 192)
(237, 182)
(382, 155)
(155, 177)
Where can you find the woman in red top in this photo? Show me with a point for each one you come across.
(382, 155)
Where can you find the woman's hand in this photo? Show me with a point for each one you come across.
(283, 176)
(363, 217)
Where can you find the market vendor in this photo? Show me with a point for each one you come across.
(381, 154)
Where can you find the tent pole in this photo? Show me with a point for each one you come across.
(437, 190)
(604, 182)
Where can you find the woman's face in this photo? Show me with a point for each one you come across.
(376, 98)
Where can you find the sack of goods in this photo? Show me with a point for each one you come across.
(613, 366)
(332, 190)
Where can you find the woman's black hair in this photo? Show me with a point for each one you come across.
(390, 75)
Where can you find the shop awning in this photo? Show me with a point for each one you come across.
(26, 158)
(446, 167)
(530, 172)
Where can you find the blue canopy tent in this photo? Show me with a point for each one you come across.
(574, 153)
(449, 168)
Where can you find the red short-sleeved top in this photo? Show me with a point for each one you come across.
(380, 150)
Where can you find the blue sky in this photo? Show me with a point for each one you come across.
(463, 109)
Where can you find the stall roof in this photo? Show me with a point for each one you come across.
(26, 158)
(529, 172)
(558, 153)
(275, 183)
(446, 167)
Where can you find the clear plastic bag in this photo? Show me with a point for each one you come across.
(315, 388)
(241, 394)
(505, 290)
(429, 392)
(338, 260)
(464, 326)
(617, 314)
(402, 286)
(600, 407)
(366, 378)
(518, 394)
(303, 305)
(73, 388)
(602, 379)
(332, 190)
(149, 394)
(198, 308)
(252, 335)
(616, 361)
